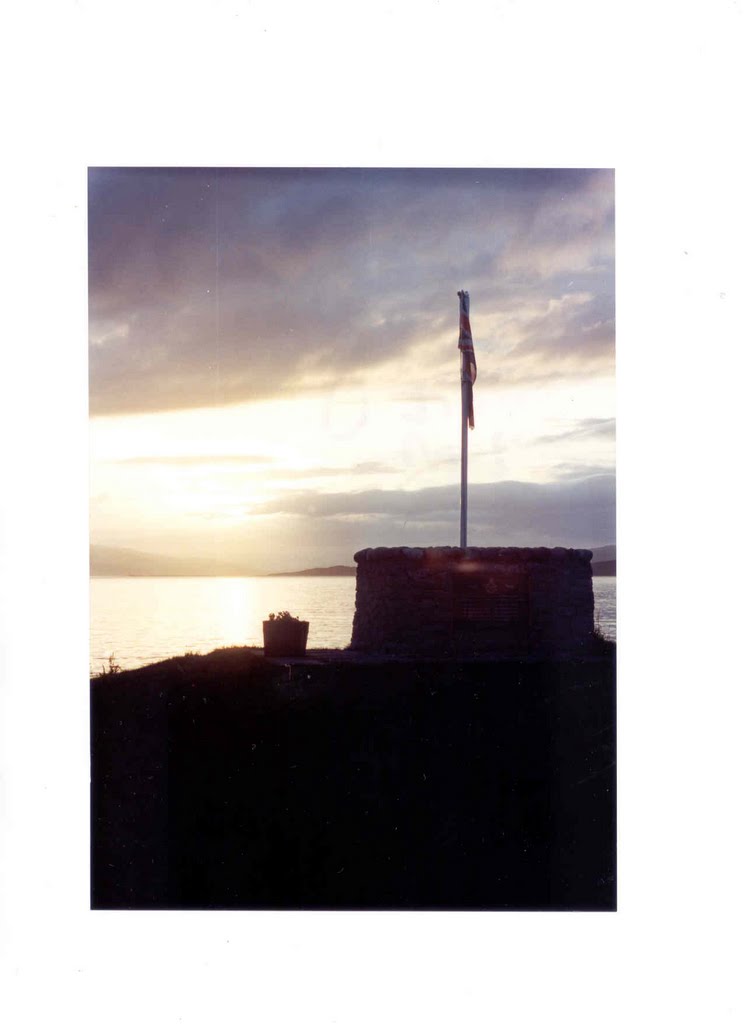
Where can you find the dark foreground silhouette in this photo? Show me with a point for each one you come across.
(219, 783)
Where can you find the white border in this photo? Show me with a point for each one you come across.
(647, 88)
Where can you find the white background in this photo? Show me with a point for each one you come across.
(650, 88)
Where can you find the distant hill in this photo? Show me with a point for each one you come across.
(603, 561)
(604, 568)
(604, 554)
(331, 570)
(107, 561)
(110, 561)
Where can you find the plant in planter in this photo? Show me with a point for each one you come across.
(284, 636)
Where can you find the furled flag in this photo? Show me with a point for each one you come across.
(468, 369)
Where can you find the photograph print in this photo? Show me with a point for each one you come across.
(352, 538)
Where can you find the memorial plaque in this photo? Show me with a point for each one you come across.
(490, 605)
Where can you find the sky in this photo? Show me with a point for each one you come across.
(274, 372)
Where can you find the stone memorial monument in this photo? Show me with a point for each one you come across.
(473, 601)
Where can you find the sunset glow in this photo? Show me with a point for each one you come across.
(274, 370)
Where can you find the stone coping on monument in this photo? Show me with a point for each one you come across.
(474, 554)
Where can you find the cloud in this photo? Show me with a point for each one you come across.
(209, 287)
(189, 461)
(575, 232)
(581, 470)
(510, 512)
(242, 462)
(359, 468)
(583, 429)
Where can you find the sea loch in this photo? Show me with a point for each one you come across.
(139, 620)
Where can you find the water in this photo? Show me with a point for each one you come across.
(138, 620)
(605, 607)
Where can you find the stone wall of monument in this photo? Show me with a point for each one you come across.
(470, 601)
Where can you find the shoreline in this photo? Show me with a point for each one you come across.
(262, 576)
(322, 657)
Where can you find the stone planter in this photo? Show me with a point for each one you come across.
(285, 638)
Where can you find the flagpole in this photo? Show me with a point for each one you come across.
(468, 372)
(464, 467)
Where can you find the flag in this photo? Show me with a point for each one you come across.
(468, 369)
